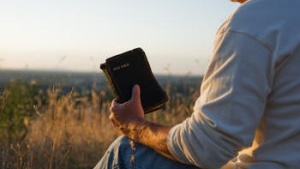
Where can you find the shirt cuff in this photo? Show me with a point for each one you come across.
(173, 148)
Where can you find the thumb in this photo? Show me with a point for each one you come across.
(136, 94)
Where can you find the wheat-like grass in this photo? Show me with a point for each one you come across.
(73, 130)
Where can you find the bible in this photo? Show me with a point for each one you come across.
(124, 70)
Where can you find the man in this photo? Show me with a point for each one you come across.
(252, 85)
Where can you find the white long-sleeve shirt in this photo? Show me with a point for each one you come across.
(252, 84)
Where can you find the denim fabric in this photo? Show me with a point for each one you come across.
(127, 154)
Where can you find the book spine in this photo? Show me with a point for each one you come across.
(110, 83)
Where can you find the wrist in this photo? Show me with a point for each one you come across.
(133, 130)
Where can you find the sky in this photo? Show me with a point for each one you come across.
(77, 35)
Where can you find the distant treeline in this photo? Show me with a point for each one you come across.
(82, 82)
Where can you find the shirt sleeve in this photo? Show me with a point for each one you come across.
(231, 105)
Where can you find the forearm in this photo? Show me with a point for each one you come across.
(152, 135)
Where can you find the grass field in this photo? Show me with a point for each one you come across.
(49, 127)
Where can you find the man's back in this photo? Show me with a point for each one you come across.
(276, 24)
(253, 80)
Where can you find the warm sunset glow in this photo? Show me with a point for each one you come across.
(176, 35)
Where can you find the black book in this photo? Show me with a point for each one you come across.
(125, 70)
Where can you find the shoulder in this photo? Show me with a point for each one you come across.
(259, 14)
(264, 20)
(249, 15)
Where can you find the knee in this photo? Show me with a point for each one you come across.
(114, 154)
(120, 142)
(119, 146)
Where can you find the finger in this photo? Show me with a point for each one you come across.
(136, 91)
(114, 105)
(114, 102)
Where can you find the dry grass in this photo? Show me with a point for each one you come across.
(73, 131)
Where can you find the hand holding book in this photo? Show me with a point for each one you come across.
(125, 70)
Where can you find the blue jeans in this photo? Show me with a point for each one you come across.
(124, 153)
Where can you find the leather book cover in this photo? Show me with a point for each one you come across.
(125, 70)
